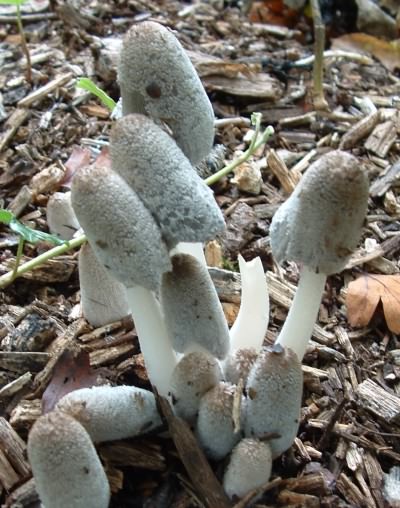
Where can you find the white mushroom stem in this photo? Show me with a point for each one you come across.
(155, 344)
(195, 249)
(299, 324)
(251, 324)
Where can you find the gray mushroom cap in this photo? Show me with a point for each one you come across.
(65, 465)
(121, 231)
(61, 217)
(320, 224)
(158, 80)
(274, 392)
(154, 166)
(193, 313)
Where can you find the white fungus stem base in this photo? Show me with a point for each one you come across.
(297, 329)
(250, 326)
(159, 357)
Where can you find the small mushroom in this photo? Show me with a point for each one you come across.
(238, 363)
(319, 226)
(193, 312)
(153, 165)
(112, 412)
(61, 217)
(274, 391)
(215, 426)
(65, 465)
(157, 79)
(249, 467)
(195, 374)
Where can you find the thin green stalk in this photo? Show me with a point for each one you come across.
(18, 257)
(9, 277)
(24, 44)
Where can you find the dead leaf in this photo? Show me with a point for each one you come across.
(387, 52)
(364, 294)
(72, 371)
(79, 157)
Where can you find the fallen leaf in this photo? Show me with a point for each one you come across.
(71, 372)
(364, 294)
(79, 157)
(387, 52)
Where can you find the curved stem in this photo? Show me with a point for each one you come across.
(297, 329)
(250, 326)
(155, 345)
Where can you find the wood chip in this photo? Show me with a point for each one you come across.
(45, 90)
(359, 131)
(380, 402)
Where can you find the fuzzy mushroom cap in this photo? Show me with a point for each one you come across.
(61, 217)
(154, 166)
(237, 364)
(249, 467)
(112, 412)
(274, 392)
(195, 374)
(320, 224)
(193, 313)
(65, 465)
(215, 427)
(121, 231)
(158, 80)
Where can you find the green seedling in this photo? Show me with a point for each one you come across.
(88, 85)
(26, 234)
(24, 44)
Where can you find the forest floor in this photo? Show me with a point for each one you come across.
(349, 437)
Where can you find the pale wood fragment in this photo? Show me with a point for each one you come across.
(11, 126)
(349, 490)
(8, 477)
(108, 355)
(44, 91)
(14, 448)
(359, 131)
(381, 139)
(25, 413)
(287, 178)
(380, 402)
(15, 386)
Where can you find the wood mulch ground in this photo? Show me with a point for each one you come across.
(350, 425)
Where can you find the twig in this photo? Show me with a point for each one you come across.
(319, 46)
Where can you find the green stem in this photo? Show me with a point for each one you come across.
(20, 250)
(243, 158)
(9, 277)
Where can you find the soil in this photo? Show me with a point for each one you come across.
(350, 420)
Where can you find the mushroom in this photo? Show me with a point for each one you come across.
(126, 239)
(249, 467)
(65, 465)
(215, 426)
(192, 310)
(157, 79)
(319, 226)
(238, 363)
(112, 412)
(103, 298)
(274, 391)
(156, 169)
(195, 374)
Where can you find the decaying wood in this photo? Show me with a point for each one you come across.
(359, 131)
(288, 179)
(379, 401)
(14, 449)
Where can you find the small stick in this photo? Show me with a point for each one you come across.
(319, 46)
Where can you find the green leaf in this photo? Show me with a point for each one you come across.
(5, 215)
(87, 84)
(32, 235)
(12, 2)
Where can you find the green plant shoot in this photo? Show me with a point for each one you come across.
(87, 84)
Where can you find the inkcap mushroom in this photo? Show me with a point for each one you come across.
(157, 79)
(192, 310)
(65, 465)
(319, 226)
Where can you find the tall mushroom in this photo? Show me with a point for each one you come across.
(157, 79)
(319, 226)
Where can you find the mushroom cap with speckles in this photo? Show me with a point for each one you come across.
(274, 392)
(120, 230)
(65, 465)
(153, 165)
(61, 217)
(215, 428)
(238, 363)
(193, 313)
(112, 412)
(320, 224)
(249, 467)
(194, 375)
(158, 80)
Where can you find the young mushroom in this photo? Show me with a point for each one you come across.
(127, 240)
(157, 79)
(103, 298)
(160, 174)
(192, 310)
(319, 226)
(65, 465)
(112, 412)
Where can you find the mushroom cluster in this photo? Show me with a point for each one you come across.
(144, 217)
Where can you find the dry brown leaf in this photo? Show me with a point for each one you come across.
(364, 294)
(387, 52)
